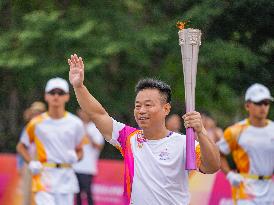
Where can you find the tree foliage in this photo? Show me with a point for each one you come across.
(125, 40)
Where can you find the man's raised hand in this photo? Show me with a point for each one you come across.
(76, 71)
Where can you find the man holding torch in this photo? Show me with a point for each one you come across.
(154, 157)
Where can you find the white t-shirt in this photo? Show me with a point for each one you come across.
(88, 164)
(155, 169)
(53, 139)
(253, 151)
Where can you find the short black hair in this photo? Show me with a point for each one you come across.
(151, 83)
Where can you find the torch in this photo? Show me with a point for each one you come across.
(189, 40)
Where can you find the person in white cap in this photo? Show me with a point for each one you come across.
(57, 135)
(251, 145)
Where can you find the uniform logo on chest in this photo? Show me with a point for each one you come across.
(164, 155)
(140, 139)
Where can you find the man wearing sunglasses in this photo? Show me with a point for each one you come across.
(251, 145)
(57, 135)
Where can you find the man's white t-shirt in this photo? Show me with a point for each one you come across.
(88, 164)
(155, 169)
(54, 139)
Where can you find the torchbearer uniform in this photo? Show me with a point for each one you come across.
(252, 149)
(54, 140)
(154, 169)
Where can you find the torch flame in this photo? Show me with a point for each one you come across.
(181, 24)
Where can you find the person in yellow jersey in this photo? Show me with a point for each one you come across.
(86, 168)
(251, 145)
(57, 135)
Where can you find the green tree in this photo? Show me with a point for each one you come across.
(123, 41)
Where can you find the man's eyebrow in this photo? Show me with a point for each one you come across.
(143, 101)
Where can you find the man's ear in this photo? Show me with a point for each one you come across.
(167, 108)
(247, 104)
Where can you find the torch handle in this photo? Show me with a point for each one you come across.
(190, 134)
(190, 149)
(190, 40)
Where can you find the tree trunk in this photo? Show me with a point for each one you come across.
(12, 112)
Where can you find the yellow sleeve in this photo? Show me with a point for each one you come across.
(230, 139)
(198, 156)
(30, 128)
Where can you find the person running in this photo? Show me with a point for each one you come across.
(154, 157)
(57, 135)
(251, 145)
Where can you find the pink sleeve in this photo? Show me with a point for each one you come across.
(123, 134)
(120, 133)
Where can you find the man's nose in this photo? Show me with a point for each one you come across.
(142, 110)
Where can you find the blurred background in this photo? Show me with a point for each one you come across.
(124, 40)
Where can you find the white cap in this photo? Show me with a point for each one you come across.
(59, 83)
(257, 92)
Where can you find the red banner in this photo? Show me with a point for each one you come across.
(108, 185)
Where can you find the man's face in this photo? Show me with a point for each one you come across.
(258, 110)
(150, 109)
(56, 98)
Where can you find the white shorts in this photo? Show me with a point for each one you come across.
(45, 198)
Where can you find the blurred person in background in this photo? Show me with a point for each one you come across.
(213, 131)
(35, 109)
(251, 144)
(86, 168)
(154, 157)
(174, 123)
(57, 135)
